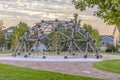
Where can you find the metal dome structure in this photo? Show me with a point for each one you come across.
(61, 37)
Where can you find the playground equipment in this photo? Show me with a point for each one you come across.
(60, 37)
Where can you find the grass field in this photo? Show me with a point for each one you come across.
(112, 53)
(8, 72)
(109, 65)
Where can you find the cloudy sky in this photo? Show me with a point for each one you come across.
(32, 11)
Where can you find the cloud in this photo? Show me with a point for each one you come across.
(32, 8)
(32, 11)
(42, 9)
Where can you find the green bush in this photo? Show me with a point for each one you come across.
(110, 48)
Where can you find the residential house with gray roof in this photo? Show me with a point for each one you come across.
(8, 33)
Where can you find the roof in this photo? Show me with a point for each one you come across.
(12, 27)
(117, 29)
(102, 36)
(110, 36)
(105, 30)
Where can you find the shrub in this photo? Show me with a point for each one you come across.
(110, 48)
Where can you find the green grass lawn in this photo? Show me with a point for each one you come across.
(5, 52)
(108, 65)
(8, 72)
(112, 53)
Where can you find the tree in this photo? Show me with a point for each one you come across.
(2, 38)
(18, 33)
(93, 32)
(2, 35)
(55, 38)
(111, 48)
(108, 10)
(118, 42)
(1, 25)
(76, 20)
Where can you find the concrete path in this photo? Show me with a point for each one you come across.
(51, 59)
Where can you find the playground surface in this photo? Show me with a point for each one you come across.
(51, 59)
(82, 67)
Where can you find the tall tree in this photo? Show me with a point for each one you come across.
(2, 35)
(18, 33)
(93, 32)
(76, 20)
(118, 42)
(1, 24)
(108, 10)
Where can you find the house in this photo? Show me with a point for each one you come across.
(8, 32)
(105, 40)
(116, 34)
(112, 38)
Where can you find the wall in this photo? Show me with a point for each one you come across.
(116, 35)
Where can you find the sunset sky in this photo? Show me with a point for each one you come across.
(32, 11)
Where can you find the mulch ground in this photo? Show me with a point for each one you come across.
(74, 68)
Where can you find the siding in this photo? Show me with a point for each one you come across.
(116, 35)
(106, 40)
